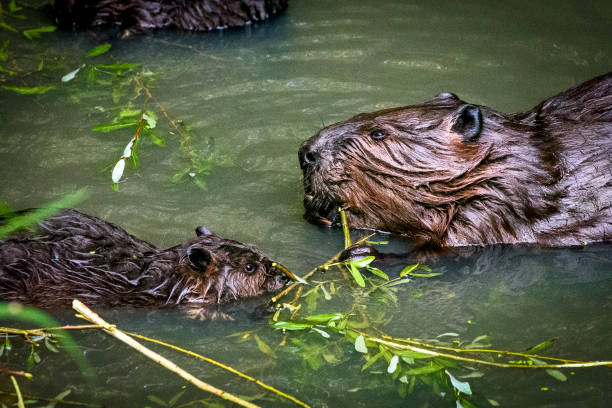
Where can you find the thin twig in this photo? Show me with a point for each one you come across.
(314, 270)
(20, 373)
(476, 361)
(20, 403)
(475, 350)
(225, 367)
(57, 401)
(88, 314)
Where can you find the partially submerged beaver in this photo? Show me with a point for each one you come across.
(74, 255)
(450, 173)
(134, 16)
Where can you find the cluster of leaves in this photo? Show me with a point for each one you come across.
(403, 366)
(121, 77)
(13, 12)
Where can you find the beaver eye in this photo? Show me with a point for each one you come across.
(378, 134)
(249, 268)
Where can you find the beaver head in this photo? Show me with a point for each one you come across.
(75, 255)
(445, 172)
(225, 269)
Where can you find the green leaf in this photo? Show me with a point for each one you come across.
(119, 66)
(356, 275)
(25, 90)
(109, 127)
(8, 27)
(556, 374)
(291, 325)
(542, 346)
(412, 354)
(324, 318)
(321, 332)
(13, 7)
(362, 262)
(156, 400)
(263, 347)
(36, 32)
(158, 141)
(426, 369)
(378, 272)
(372, 360)
(461, 386)
(408, 269)
(98, 50)
(447, 335)
(92, 74)
(49, 344)
(129, 113)
(4, 50)
(176, 398)
(151, 119)
(398, 282)
(360, 345)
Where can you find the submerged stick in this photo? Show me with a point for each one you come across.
(345, 229)
(88, 314)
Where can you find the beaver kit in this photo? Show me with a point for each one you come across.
(135, 16)
(74, 255)
(450, 173)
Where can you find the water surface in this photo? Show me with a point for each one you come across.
(251, 97)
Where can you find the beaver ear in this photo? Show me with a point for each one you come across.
(468, 122)
(202, 231)
(199, 258)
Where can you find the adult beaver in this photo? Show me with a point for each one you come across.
(134, 16)
(450, 173)
(74, 255)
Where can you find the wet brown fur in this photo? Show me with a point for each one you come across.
(135, 16)
(74, 255)
(541, 177)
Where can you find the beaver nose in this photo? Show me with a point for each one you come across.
(307, 154)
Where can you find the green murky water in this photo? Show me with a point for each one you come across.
(251, 97)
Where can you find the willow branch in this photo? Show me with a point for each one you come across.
(88, 314)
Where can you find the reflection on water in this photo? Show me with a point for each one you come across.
(251, 97)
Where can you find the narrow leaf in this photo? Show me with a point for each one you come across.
(357, 275)
(263, 347)
(321, 332)
(109, 127)
(25, 90)
(291, 326)
(98, 50)
(363, 262)
(408, 269)
(36, 32)
(461, 386)
(378, 272)
(324, 318)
